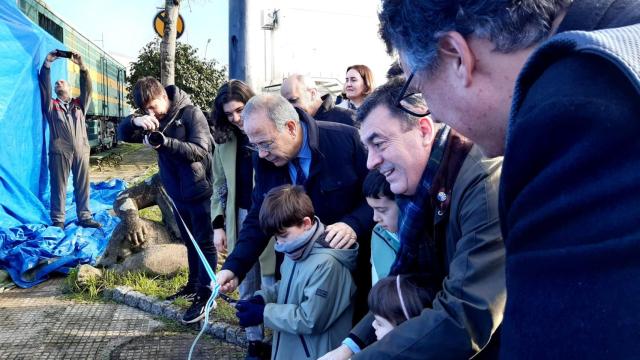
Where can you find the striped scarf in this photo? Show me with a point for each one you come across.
(422, 237)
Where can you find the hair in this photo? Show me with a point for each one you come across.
(367, 76)
(375, 186)
(394, 70)
(305, 80)
(146, 90)
(386, 95)
(233, 90)
(278, 109)
(417, 294)
(415, 26)
(284, 206)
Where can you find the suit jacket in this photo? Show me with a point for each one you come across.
(338, 168)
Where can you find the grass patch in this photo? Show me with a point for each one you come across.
(159, 287)
(152, 170)
(125, 147)
(152, 213)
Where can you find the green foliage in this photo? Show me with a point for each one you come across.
(199, 78)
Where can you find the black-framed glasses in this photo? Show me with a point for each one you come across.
(403, 96)
(266, 146)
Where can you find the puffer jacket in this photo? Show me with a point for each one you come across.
(310, 309)
(185, 159)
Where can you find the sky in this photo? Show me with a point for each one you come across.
(127, 25)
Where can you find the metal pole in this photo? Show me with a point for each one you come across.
(238, 47)
(205, 49)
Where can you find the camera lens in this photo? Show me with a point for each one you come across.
(156, 138)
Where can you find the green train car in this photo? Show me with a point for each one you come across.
(108, 103)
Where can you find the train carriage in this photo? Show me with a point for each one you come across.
(108, 103)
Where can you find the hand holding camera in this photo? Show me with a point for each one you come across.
(146, 122)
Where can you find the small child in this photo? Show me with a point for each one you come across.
(309, 309)
(384, 240)
(396, 299)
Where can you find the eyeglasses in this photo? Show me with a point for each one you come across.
(266, 146)
(403, 96)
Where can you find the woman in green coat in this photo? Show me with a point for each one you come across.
(232, 187)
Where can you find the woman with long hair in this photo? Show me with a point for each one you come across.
(232, 187)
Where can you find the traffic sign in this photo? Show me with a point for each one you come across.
(159, 21)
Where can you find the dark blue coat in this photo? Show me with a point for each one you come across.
(338, 168)
(570, 203)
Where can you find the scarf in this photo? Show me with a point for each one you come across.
(420, 251)
(300, 247)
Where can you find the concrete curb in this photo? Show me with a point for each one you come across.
(217, 329)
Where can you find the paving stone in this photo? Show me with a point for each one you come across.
(232, 334)
(172, 312)
(156, 308)
(40, 323)
(119, 292)
(218, 330)
(107, 294)
(145, 303)
(132, 298)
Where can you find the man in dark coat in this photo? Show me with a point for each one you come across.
(328, 159)
(569, 199)
(68, 143)
(302, 92)
(179, 132)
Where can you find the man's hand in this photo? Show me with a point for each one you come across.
(51, 57)
(146, 122)
(340, 235)
(342, 352)
(220, 240)
(227, 280)
(77, 59)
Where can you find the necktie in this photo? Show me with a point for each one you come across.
(300, 176)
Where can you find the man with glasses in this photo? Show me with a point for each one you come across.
(540, 82)
(447, 192)
(326, 158)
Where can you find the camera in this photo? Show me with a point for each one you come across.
(156, 138)
(64, 54)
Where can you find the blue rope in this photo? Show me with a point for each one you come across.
(210, 272)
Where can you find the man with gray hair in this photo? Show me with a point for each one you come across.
(327, 159)
(569, 137)
(302, 91)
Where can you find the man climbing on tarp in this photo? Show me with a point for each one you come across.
(68, 144)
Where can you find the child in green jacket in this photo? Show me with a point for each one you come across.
(309, 309)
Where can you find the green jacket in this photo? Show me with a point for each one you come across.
(469, 309)
(311, 315)
(223, 200)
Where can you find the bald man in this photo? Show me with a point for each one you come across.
(68, 143)
(302, 92)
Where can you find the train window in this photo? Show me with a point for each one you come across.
(50, 26)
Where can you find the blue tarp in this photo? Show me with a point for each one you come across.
(29, 249)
